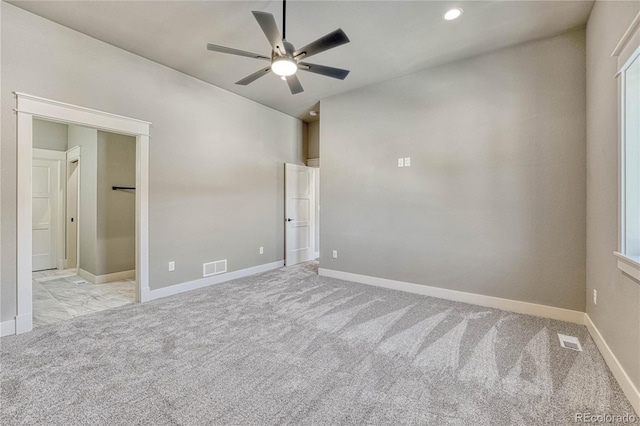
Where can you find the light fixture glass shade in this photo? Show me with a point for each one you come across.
(284, 67)
(452, 14)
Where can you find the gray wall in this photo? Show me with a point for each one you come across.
(87, 140)
(494, 201)
(317, 207)
(305, 140)
(116, 238)
(314, 139)
(216, 159)
(49, 135)
(617, 314)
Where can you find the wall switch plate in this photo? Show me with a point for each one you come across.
(335, 254)
(400, 162)
(595, 296)
(407, 161)
(172, 266)
(261, 250)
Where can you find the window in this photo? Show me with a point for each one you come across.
(630, 135)
(629, 254)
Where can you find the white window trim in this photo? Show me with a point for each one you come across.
(628, 264)
(29, 107)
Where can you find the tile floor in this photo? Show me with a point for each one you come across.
(59, 295)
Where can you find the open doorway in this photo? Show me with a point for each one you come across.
(83, 198)
(302, 199)
(313, 160)
(30, 108)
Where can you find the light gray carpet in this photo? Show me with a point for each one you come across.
(289, 347)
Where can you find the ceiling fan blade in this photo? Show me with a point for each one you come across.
(294, 84)
(270, 29)
(231, 51)
(323, 70)
(253, 77)
(331, 40)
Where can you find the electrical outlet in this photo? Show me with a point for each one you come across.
(595, 296)
(407, 161)
(172, 266)
(261, 250)
(335, 254)
(400, 162)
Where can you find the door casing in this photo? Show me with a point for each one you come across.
(29, 107)
(72, 200)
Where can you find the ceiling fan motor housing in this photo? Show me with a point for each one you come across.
(289, 49)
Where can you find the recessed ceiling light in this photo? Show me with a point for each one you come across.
(313, 113)
(452, 14)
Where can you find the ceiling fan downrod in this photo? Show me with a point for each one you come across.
(284, 19)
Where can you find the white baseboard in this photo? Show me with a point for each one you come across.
(87, 275)
(461, 296)
(106, 278)
(630, 390)
(317, 255)
(7, 328)
(24, 323)
(115, 276)
(205, 282)
(145, 295)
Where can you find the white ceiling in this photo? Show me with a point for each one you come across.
(388, 38)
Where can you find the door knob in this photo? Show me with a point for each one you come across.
(289, 219)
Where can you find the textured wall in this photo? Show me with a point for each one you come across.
(49, 135)
(617, 314)
(116, 230)
(216, 160)
(494, 200)
(314, 139)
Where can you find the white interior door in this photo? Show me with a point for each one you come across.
(45, 193)
(299, 214)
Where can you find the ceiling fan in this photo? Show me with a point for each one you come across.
(285, 58)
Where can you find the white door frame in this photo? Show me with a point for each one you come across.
(28, 107)
(72, 155)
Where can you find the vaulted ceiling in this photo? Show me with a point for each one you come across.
(388, 38)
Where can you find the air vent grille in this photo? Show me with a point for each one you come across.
(214, 268)
(570, 342)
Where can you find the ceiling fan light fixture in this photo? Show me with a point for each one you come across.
(284, 59)
(452, 14)
(284, 67)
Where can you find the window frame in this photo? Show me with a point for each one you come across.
(629, 264)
